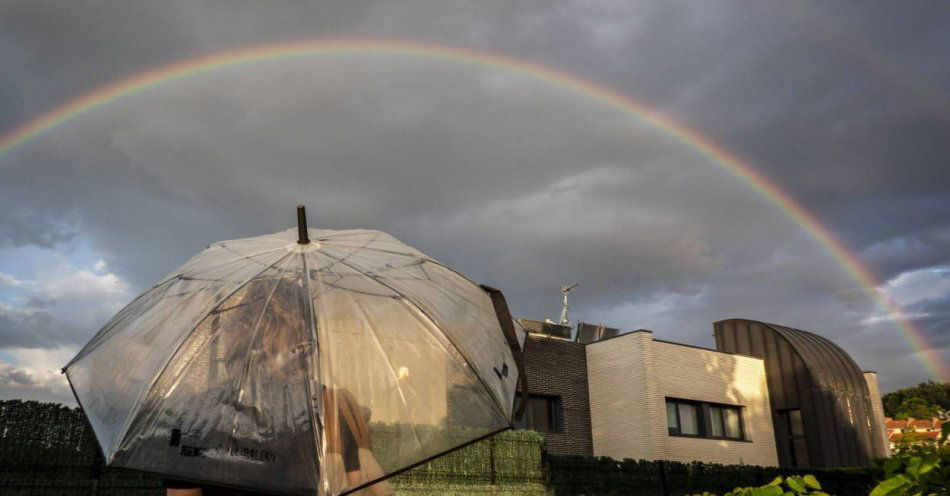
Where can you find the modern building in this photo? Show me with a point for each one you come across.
(822, 406)
(768, 395)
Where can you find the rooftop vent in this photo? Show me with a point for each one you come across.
(591, 333)
(546, 328)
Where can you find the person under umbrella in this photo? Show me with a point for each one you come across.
(347, 423)
(261, 362)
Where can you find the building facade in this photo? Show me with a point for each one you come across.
(821, 401)
(559, 399)
(632, 396)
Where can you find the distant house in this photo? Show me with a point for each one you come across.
(767, 395)
(913, 430)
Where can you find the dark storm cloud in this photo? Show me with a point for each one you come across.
(389, 161)
(934, 318)
(515, 183)
(63, 308)
(913, 250)
(14, 376)
(29, 328)
(28, 227)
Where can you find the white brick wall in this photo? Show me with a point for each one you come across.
(630, 378)
(619, 382)
(877, 410)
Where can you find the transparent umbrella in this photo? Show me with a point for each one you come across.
(303, 362)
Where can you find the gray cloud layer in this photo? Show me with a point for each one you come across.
(516, 183)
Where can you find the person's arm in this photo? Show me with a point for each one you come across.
(180, 488)
(183, 492)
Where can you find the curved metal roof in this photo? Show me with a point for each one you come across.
(832, 390)
(831, 367)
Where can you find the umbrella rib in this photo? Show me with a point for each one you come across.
(314, 428)
(389, 363)
(102, 336)
(250, 257)
(247, 361)
(96, 340)
(419, 261)
(421, 264)
(429, 318)
(381, 250)
(151, 385)
(437, 287)
(423, 257)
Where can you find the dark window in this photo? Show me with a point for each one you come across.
(543, 413)
(693, 418)
(795, 430)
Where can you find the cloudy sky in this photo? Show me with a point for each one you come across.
(516, 182)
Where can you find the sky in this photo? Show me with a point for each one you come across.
(515, 182)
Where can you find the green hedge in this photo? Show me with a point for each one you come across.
(47, 449)
(571, 475)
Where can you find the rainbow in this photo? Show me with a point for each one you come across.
(735, 166)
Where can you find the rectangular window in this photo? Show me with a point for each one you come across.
(795, 426)
(689, 421)
(683, 418)
(730, 417)
(715, 417)
(724, 421)
(672, 420)
(795, 430)
(543, 413)
(693, 418)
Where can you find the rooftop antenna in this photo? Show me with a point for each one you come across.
(565, 321)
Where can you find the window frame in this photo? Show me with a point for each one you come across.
(700, 420)
(785, 415)
(704, 419)
(722, 418)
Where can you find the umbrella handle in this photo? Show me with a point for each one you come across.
(505, 320)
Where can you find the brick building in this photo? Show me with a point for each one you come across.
(560, 402)
(600, 392)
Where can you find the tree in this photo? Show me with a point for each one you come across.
(917, 408)
(931, 392)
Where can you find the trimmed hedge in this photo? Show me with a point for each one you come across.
(47, 449)
(571, 475)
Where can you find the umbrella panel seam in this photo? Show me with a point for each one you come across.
(389, 363)
(420, 255)
(314, 413)
(468, 361)
(253, 340)
(138, 403)
(103, 335)
(249, 257)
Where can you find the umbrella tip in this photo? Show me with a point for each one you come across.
(302, 237)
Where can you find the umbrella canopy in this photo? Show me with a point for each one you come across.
(303, 362)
